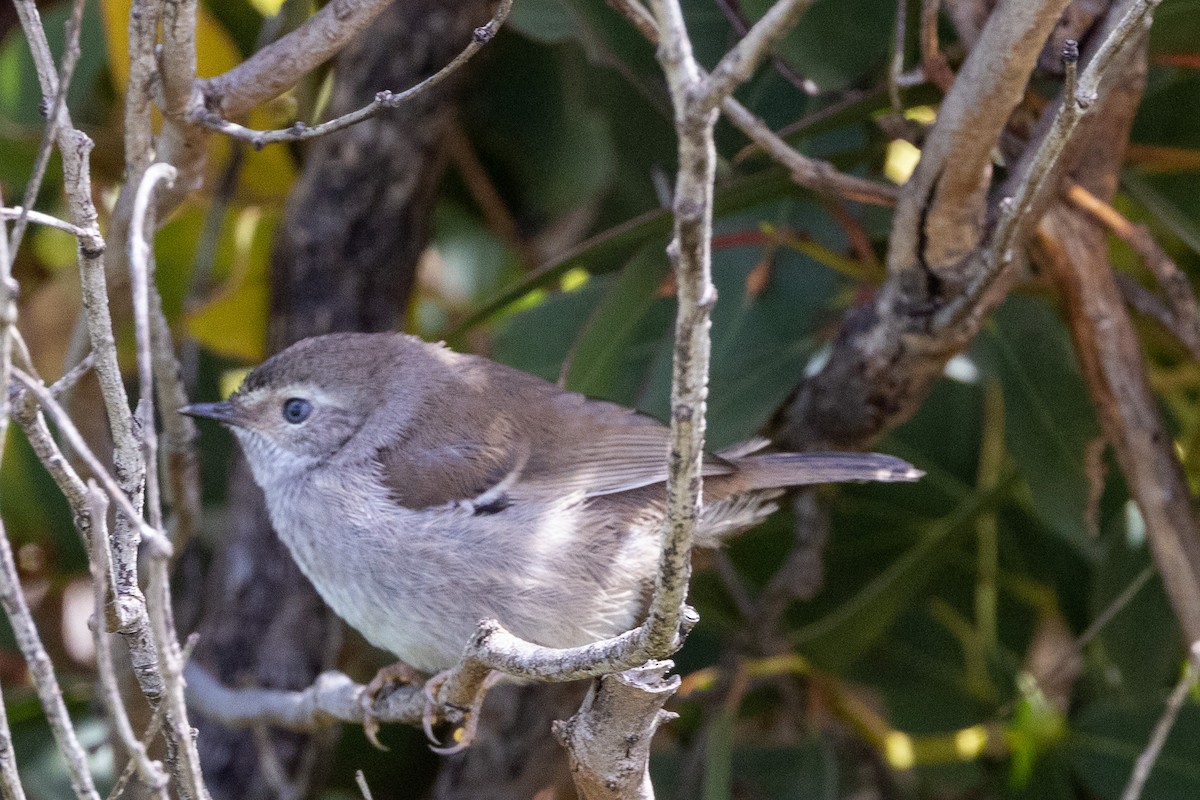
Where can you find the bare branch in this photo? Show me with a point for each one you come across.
(177, 66)
(614, 728)
(280, 65)
(737, 20)
(939, 220)
(636, 13)
(1182, 314)
(170, 657)
(383, 100)
(149, 771)
(738, 65)
(42, 671)
(333, 698)
(945, 271)
(10, 781)
(150, 734)
(811, 172)
(75, 148)
(59, 87)
(1037, 179)
(1112, 362)
(20, 212)
(933, 60)
(139, 256)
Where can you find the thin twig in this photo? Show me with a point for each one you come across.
(75, 148)
(139, 258)
(813, 173)
(1145, 762)
(1183, 311)
(737, 20)
(385, 99)
(54, 110)
(76, 440)
(152, 730)
(282, 64)
(42, 673)
(21, 212)
(10, 780)
(149, 771)
(738, 65)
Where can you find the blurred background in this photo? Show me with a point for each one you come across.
(996, 630)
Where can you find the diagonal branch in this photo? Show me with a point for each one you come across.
(887, 354)
(282, 64)
(738, 65)
(384, 99)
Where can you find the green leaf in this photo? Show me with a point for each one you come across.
(20, 93)
(624, 332)
(543, 20)
(836, 42)
(1049, 420)
(841, 636)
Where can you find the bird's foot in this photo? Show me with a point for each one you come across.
(464, 734)
(394, 674)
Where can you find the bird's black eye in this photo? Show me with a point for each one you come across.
(296, 410)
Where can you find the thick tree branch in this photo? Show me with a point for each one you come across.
(939, 219)
(280, 65)
(384, 99)
(600, 734)
(887, 355)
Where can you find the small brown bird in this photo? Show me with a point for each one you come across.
(421, 490)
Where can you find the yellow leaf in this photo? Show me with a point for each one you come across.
(268, 8)
(234, 321)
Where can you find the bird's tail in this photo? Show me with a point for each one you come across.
(744, 497)
(780, 470)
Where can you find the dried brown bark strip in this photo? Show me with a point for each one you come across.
(1076, 250)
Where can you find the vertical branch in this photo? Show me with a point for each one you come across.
(75, 148)
(13, 599)
(42, 673)
(690, 252)
(100, 562)
(600, 733)
(162, 623)
(140, 271)
(46, 147)
(10, 781)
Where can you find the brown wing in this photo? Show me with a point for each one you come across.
(511, 432)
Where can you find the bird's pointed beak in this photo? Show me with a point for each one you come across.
(222, 412)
